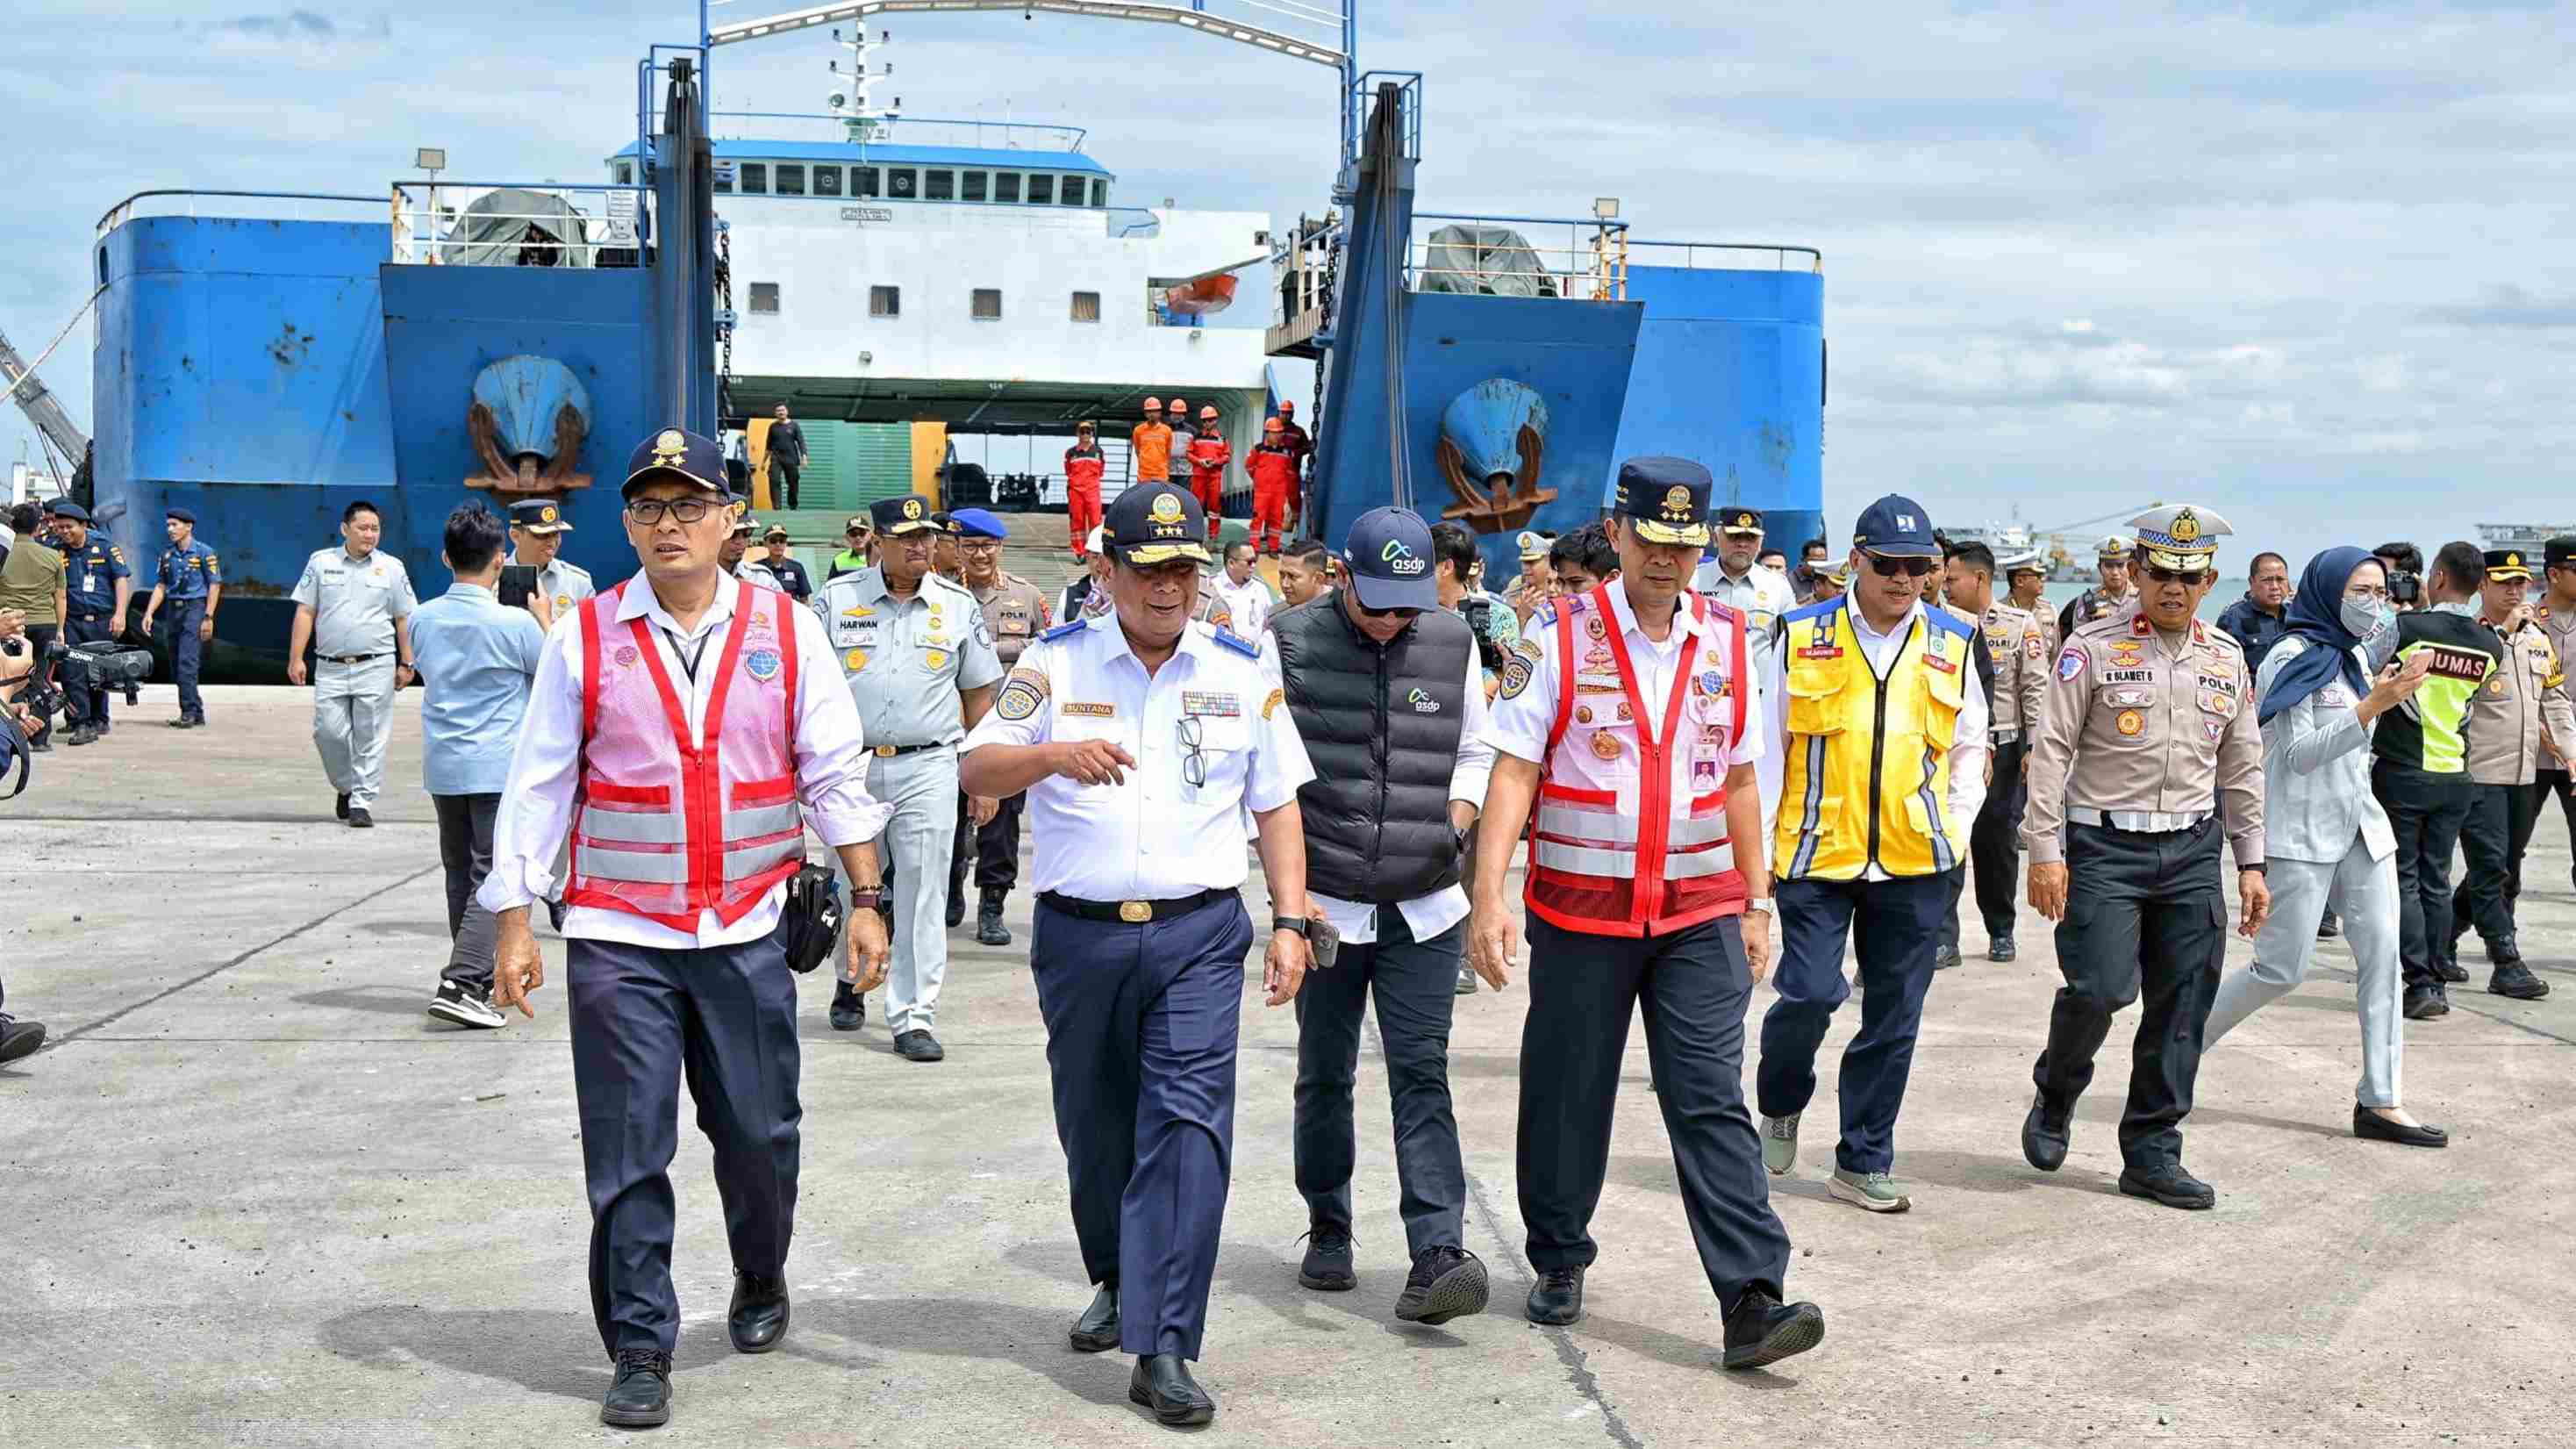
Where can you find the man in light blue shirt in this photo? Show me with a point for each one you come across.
(477, 658)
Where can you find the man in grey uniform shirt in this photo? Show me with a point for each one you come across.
(351, 606)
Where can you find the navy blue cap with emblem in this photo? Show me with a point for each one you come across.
(1897, 527)
(978, 523)
(1156, 524)
(680, 455)
(1388, 557)
(539, 515)
(906, 513)
(1736, 518)
(1666, 500)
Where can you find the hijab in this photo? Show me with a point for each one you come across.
(2316, 615)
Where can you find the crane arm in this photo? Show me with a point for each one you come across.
(37, 401)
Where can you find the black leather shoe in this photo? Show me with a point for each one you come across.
(2044, 1136)
(1945, 957)
(1163, 1384)
(80, 735)
(359, 819)
(2514, 979)
(2001, 949)
(341, 809)
(1445, 1283)
(19, 1038)
(989, 930)
(956, 910)
(640, 1397)
(2167, 1183)
(919, 1046)
(2328, 927)
(1764, 1330)
(2370, 1126)
(2451, 971)
(849, 1009)
(1096, 1331)
(1557, 1296)
(1327, 1265)
(2423, 1003)
(758, 1318)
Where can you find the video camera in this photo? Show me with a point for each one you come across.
(108, 666)
(2405, 587)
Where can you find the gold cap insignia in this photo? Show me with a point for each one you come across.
(911, 508)
(2185, 528)
(2513, 560)
(1167, 508)
(671, 446)
(546, 514)
(1677, 501)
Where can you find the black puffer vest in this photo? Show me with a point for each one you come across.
(1381, 725)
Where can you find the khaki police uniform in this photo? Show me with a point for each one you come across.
(2018, 644)
(2506, 722)
(908, 662)
(2138, 736)
(1014, 612)
(2554, 777)
(2093, 604)
(355, 604)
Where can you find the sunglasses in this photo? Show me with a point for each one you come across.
(1888, 568)
(1407, 615)
(2176, 576)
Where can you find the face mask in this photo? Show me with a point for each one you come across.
(2376, 625)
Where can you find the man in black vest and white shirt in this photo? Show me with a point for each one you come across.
(1386, 690)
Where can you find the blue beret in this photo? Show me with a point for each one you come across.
(978, 523)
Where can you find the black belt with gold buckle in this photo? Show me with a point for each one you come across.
(1134, 913)
(888, 752)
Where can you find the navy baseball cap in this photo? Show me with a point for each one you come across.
(2558, 553)
(539, 515)
(681, 454)
(1666, 498)
(977, 523)
(1898, 527)
(1388, 557)
(903, 514)
(182, 515)
(1156, 524)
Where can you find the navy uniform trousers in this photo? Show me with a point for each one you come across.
(1893, 926)
(1415, 984)
(187, 652)
(2142, 908)
(1141, 1024)
(642, 1018)
(1693, 986)
(85, 702)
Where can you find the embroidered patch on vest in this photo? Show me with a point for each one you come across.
(1019, 699)
(626, 656)
(2071, 663)
(855, 660)
(1087, 709)
(761, 664)
(2132, 722)
(1516, 675)
(1277, 698)
(1606, 746)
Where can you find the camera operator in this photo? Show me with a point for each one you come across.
(17, 661)
(2405, 565)
(32, 582)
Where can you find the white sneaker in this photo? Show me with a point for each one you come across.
(465, 1008)
(1780, 1144)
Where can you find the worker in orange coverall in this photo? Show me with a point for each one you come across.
(1083, 465)
(1208, 457)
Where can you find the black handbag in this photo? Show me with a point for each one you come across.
(811, 921)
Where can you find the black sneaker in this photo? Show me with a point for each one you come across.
(1557, 1296)
(1445, 1282)
(956, 910)
(2514, 979)
(1945, 957)
(19, 1038)
(640, 1396)
(849, 1009)
(359, 819)
(80, 735)
(2451, 971)
(341, 810)
(465, 1008)
(1327, 1266)
(989, 930)
(1763, 1330)
(2328, 927)
(2000, 949)
(2167, 1183)
(2423, 1003)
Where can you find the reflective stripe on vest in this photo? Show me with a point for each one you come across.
(718, 829)
(1646, 856)
(1838, 817)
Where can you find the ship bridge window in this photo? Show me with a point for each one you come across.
(625, 173)
(1041, 190)
(1072, 191)
(987, 304)
(885, 301)
(1006, 186)
(863, 181)
(755, 178)
(1100, 193)
(827, 181)
(939, 185)
(721, 174)
(974, 185)
(1086, 306)
(791, 180)
(764, 297)
(902, 183)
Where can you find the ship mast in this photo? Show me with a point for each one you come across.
(863, 120)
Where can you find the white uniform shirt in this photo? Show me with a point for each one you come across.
(1155, 837)
(1429, 915)
(1967, 754)
(545, 772)
(354, 601)
(1249, 602)
(1522, 719)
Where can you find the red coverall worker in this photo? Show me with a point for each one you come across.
(1208, 456)
(1274, 482)
(1083, 465)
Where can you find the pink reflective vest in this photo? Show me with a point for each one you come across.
(663, 827)
(1629, 837)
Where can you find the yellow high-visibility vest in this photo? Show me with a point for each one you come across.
(1866, 776)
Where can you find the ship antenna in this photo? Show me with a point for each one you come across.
(863, 119)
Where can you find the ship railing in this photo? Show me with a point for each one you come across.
(1732, 256)
(1582, 259)
(898, 129)
(571, 225)
(298, 206)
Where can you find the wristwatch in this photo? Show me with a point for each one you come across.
(1298, 924)
(1763, 905)
(867, 899)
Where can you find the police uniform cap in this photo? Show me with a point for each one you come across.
(777, 531)
(2508, 564)
(182, 515)
(65, 508)
(679, 454)
(2559, 552)
(2113, 547)
(905, 513)
(539, 515)
(2025, 562)
(1666, 499)
(978, 523)
(1156, 524)
(2180, 536)
(744, 523)
(1896, 527)
(1736, 518)
(1533, 545)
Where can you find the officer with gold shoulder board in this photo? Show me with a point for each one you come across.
(2149, 721)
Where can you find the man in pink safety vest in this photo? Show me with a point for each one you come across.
(684, 729)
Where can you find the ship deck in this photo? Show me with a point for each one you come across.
(256, 1198)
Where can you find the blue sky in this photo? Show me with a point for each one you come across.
(2303, 262)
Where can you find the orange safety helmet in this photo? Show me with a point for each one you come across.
(1208, 414)
(1271, 425)
(1181, 405)
(1153, 405)
(1287, 409)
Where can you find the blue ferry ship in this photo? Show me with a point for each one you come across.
(264, 358)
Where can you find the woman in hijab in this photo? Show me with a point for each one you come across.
(2326, 836)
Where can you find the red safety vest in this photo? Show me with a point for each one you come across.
(1642, 852)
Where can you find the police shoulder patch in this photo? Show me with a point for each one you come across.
(1518, 671)
(2072, 662)
(1236, 642)
(1066, 630)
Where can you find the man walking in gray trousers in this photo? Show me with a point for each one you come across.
(351, 606)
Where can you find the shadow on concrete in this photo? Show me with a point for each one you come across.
(1268, 1276)
(388, 1000)
(1033, 1338)
(542, 1351)
(1698, 1354)
(435, 930)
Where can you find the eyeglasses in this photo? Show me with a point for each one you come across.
(979, 545)
(2189, 579)
(2367, 594)
(1194, 760)
(1407, 615)
(1888, 568)
(649, 511)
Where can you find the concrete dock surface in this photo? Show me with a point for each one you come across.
(251, 1195)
